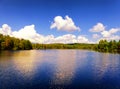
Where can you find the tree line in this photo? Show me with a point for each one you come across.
(12, 43)
(108, 46)
(63, 46)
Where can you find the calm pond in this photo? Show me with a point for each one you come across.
(59, 69)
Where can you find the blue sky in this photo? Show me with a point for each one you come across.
(85, 15)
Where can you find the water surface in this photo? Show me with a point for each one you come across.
(59, 69)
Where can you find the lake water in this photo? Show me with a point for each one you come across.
(59, 69)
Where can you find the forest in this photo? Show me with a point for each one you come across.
(12, 43)
(112, 46)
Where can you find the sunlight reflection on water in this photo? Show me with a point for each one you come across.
(65, 69)
(60, 69)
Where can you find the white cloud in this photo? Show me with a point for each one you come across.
(5, 30)
(29, 33)
(82, 39)
(108, 34)
(114, 30)
(104, 34)
(97, 28)
(95, 36)
(66, 24)
(68, 38)
(26, 32)
(113, 37)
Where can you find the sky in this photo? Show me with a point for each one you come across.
(61, 21)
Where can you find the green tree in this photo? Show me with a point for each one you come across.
(118, 46)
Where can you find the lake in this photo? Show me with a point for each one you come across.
(59, 69)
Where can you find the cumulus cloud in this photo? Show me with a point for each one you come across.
(113, 37)
(114, 30)
(106, 34)
(109, 33)
(97, 28)
(26, 32)
(95, 36)
(82, 39)
(29, 33)
(68, 38)
(64, 24)
(5, 30)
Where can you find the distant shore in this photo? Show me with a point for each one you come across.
(11, 43)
